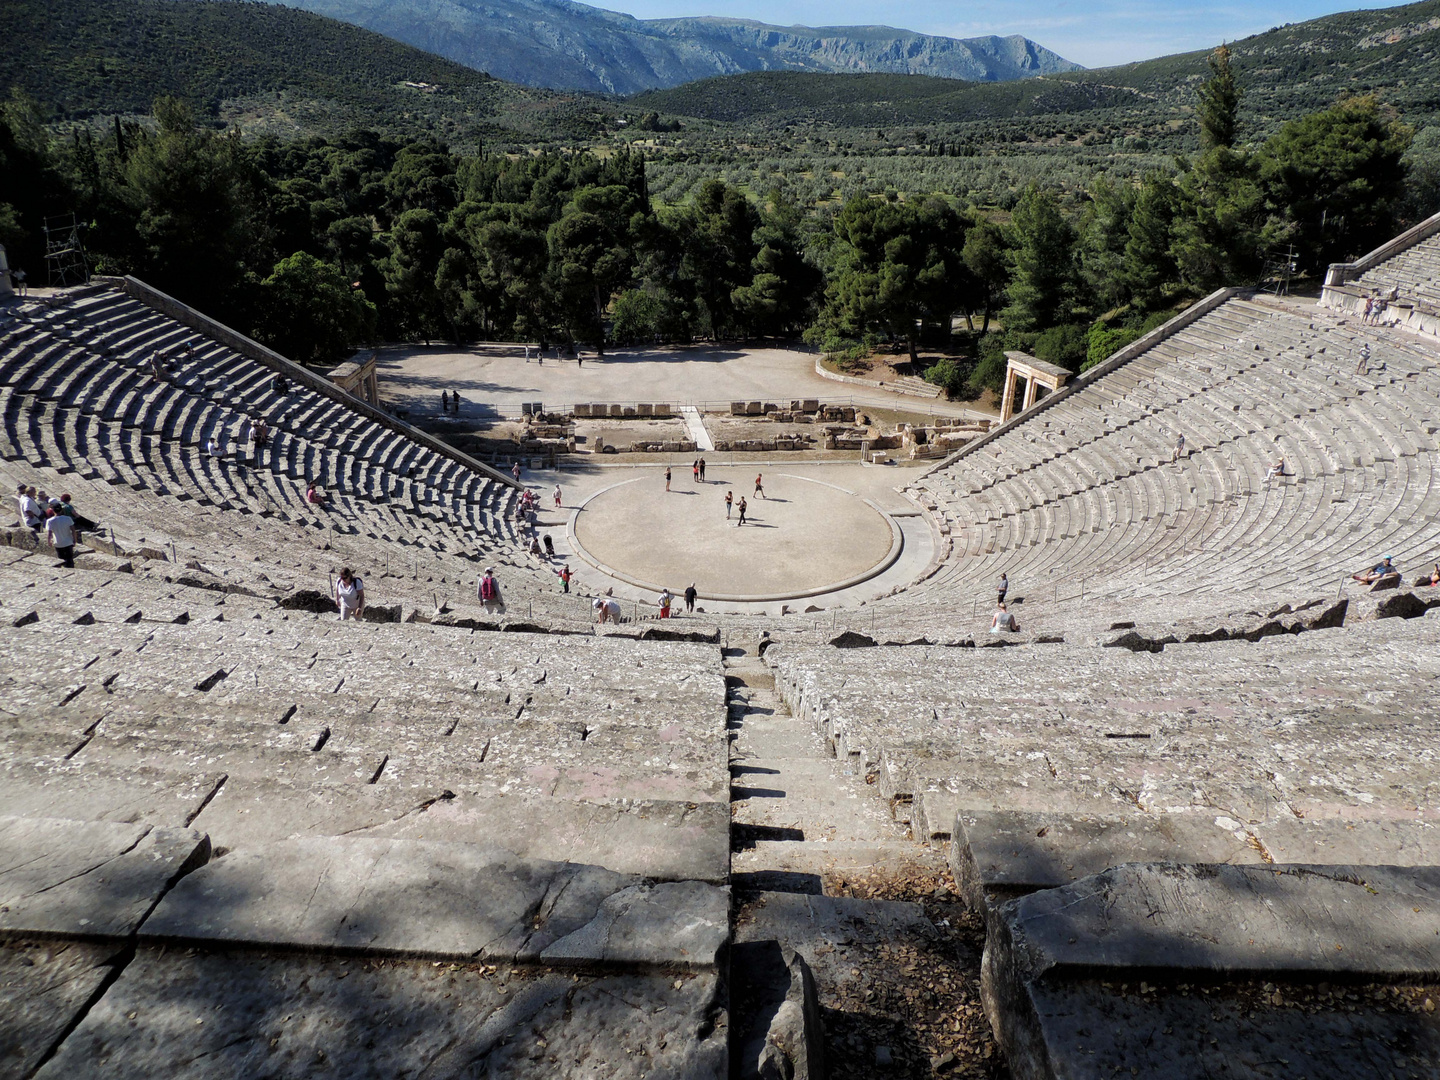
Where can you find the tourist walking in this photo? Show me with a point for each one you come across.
(557, 496)
(489, 592)
(667, 477)
(743, 506)
(695, 469)
(1362, 366)
(60, 528)
(564, 574)
(1002, 588)
(1179, 451)
(444, 402)
(515, 471)
(729, 502)
(702, 470)
(759, 487)
(350, 595)
(690, 596)
(666, 599)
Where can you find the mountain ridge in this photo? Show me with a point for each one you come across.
(564, 45)
(1285, 71)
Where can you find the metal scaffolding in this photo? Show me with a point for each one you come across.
(65, 252)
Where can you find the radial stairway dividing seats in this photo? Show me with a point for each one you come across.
(804, 832)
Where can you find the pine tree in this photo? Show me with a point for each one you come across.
(1219, 103)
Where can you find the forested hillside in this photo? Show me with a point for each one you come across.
(270, 68)
(813, 138)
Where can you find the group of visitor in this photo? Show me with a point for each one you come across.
(1377, 304)
(57, 517)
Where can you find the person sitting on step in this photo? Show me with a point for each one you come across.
(1383, 569)
(1003, 621)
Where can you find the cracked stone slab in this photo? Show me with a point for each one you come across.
(1100, 1031)
(1380, 922)
(998, 856)
(88, 878)
(1060, 964)
(823, 929)
(459, 901)
(251, 812)
(213, 1016)
(45, 986)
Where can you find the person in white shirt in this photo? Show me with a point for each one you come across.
(606, 610)
(1003, 621)
(350, 595)
(30, 513)
(61, 531)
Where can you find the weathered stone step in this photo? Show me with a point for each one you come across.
(227, 1013)
(447, 901)
(1061, 966)
(804, 866)
(88, 879)
(763, 738)
(997, 856)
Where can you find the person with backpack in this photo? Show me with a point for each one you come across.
(666, 599)
(489, 591)
(564, 574)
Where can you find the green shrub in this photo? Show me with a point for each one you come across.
(1105, 341)
(989, 373)
(1064, 345)
(949, 373)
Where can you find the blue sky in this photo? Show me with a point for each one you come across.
(1094, 33)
